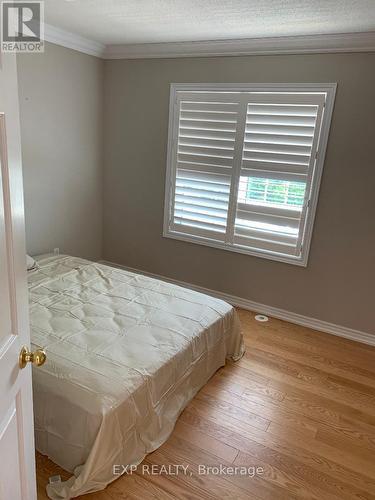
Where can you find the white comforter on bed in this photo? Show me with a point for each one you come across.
(125, 354)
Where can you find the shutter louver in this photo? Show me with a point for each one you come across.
(243, 166)
(276, 160)
(206, 136)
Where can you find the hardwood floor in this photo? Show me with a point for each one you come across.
(300, 405)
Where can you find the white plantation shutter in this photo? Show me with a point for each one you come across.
(204, 165)
(280, 144)
(244, 166)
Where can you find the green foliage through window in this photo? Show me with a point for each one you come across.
(273, 192)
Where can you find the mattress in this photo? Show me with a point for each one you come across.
(125, 354)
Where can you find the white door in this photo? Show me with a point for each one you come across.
(17, 461)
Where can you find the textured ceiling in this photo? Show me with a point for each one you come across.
(143, 21)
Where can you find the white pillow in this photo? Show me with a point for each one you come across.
(30, 263)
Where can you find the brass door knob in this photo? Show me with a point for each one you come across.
(37, 358)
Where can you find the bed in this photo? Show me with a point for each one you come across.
(125, 354)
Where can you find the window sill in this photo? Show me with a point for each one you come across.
(264, 254)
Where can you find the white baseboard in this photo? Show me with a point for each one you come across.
(275, 312)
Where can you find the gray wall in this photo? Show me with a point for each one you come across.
(338, 284)
(61, 107)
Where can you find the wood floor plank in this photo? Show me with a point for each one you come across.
(288, 431)
(257, 485)
(300, 404)
(346, 349)
(334, 361)
(281, 371)
(239, 411)
(310, 451)
(204, 486)
(239, 385)
(356, 435)
(296, 482)
(225, 400)
(327, 366)
(357, 388)
(136, 485)
(205, 442)
(260, 445)
(355, 447)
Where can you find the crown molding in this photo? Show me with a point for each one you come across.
(309, 44)
(70, 40)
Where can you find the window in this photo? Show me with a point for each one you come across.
(244, 166)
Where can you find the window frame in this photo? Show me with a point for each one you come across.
(308, 222)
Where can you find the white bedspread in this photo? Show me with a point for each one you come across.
(125, 354)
